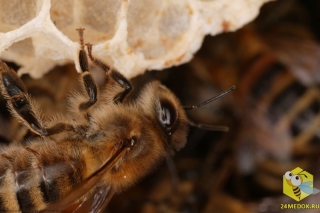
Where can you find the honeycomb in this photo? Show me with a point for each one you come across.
(131, 35)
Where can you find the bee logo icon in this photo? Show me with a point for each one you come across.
(298, 184)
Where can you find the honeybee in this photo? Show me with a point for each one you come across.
(298, 185)
(104, 145)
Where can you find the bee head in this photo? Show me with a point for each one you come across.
(165, 109)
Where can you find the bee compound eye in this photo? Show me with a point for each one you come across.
(288, 175)
(167, 116)
(296, 180)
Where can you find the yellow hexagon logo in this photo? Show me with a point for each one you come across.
(298, 184)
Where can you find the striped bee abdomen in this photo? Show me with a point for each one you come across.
(31, 178)
(297, 192)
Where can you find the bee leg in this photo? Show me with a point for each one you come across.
(115, 75)
(86, 78)
(21, 105)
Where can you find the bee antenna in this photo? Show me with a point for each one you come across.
(209, 100)
(209, 127)
(205, 126)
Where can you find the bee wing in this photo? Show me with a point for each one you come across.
(95, 203)
(87, 185)
(101, 199)
(308, 184)
(305, 187)
(315, 191)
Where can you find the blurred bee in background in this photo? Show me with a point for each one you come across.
(275, 63)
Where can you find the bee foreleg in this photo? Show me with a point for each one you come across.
(115, 75)
(91, 88)
(86, 78)
(21, 105)
(124, 83)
